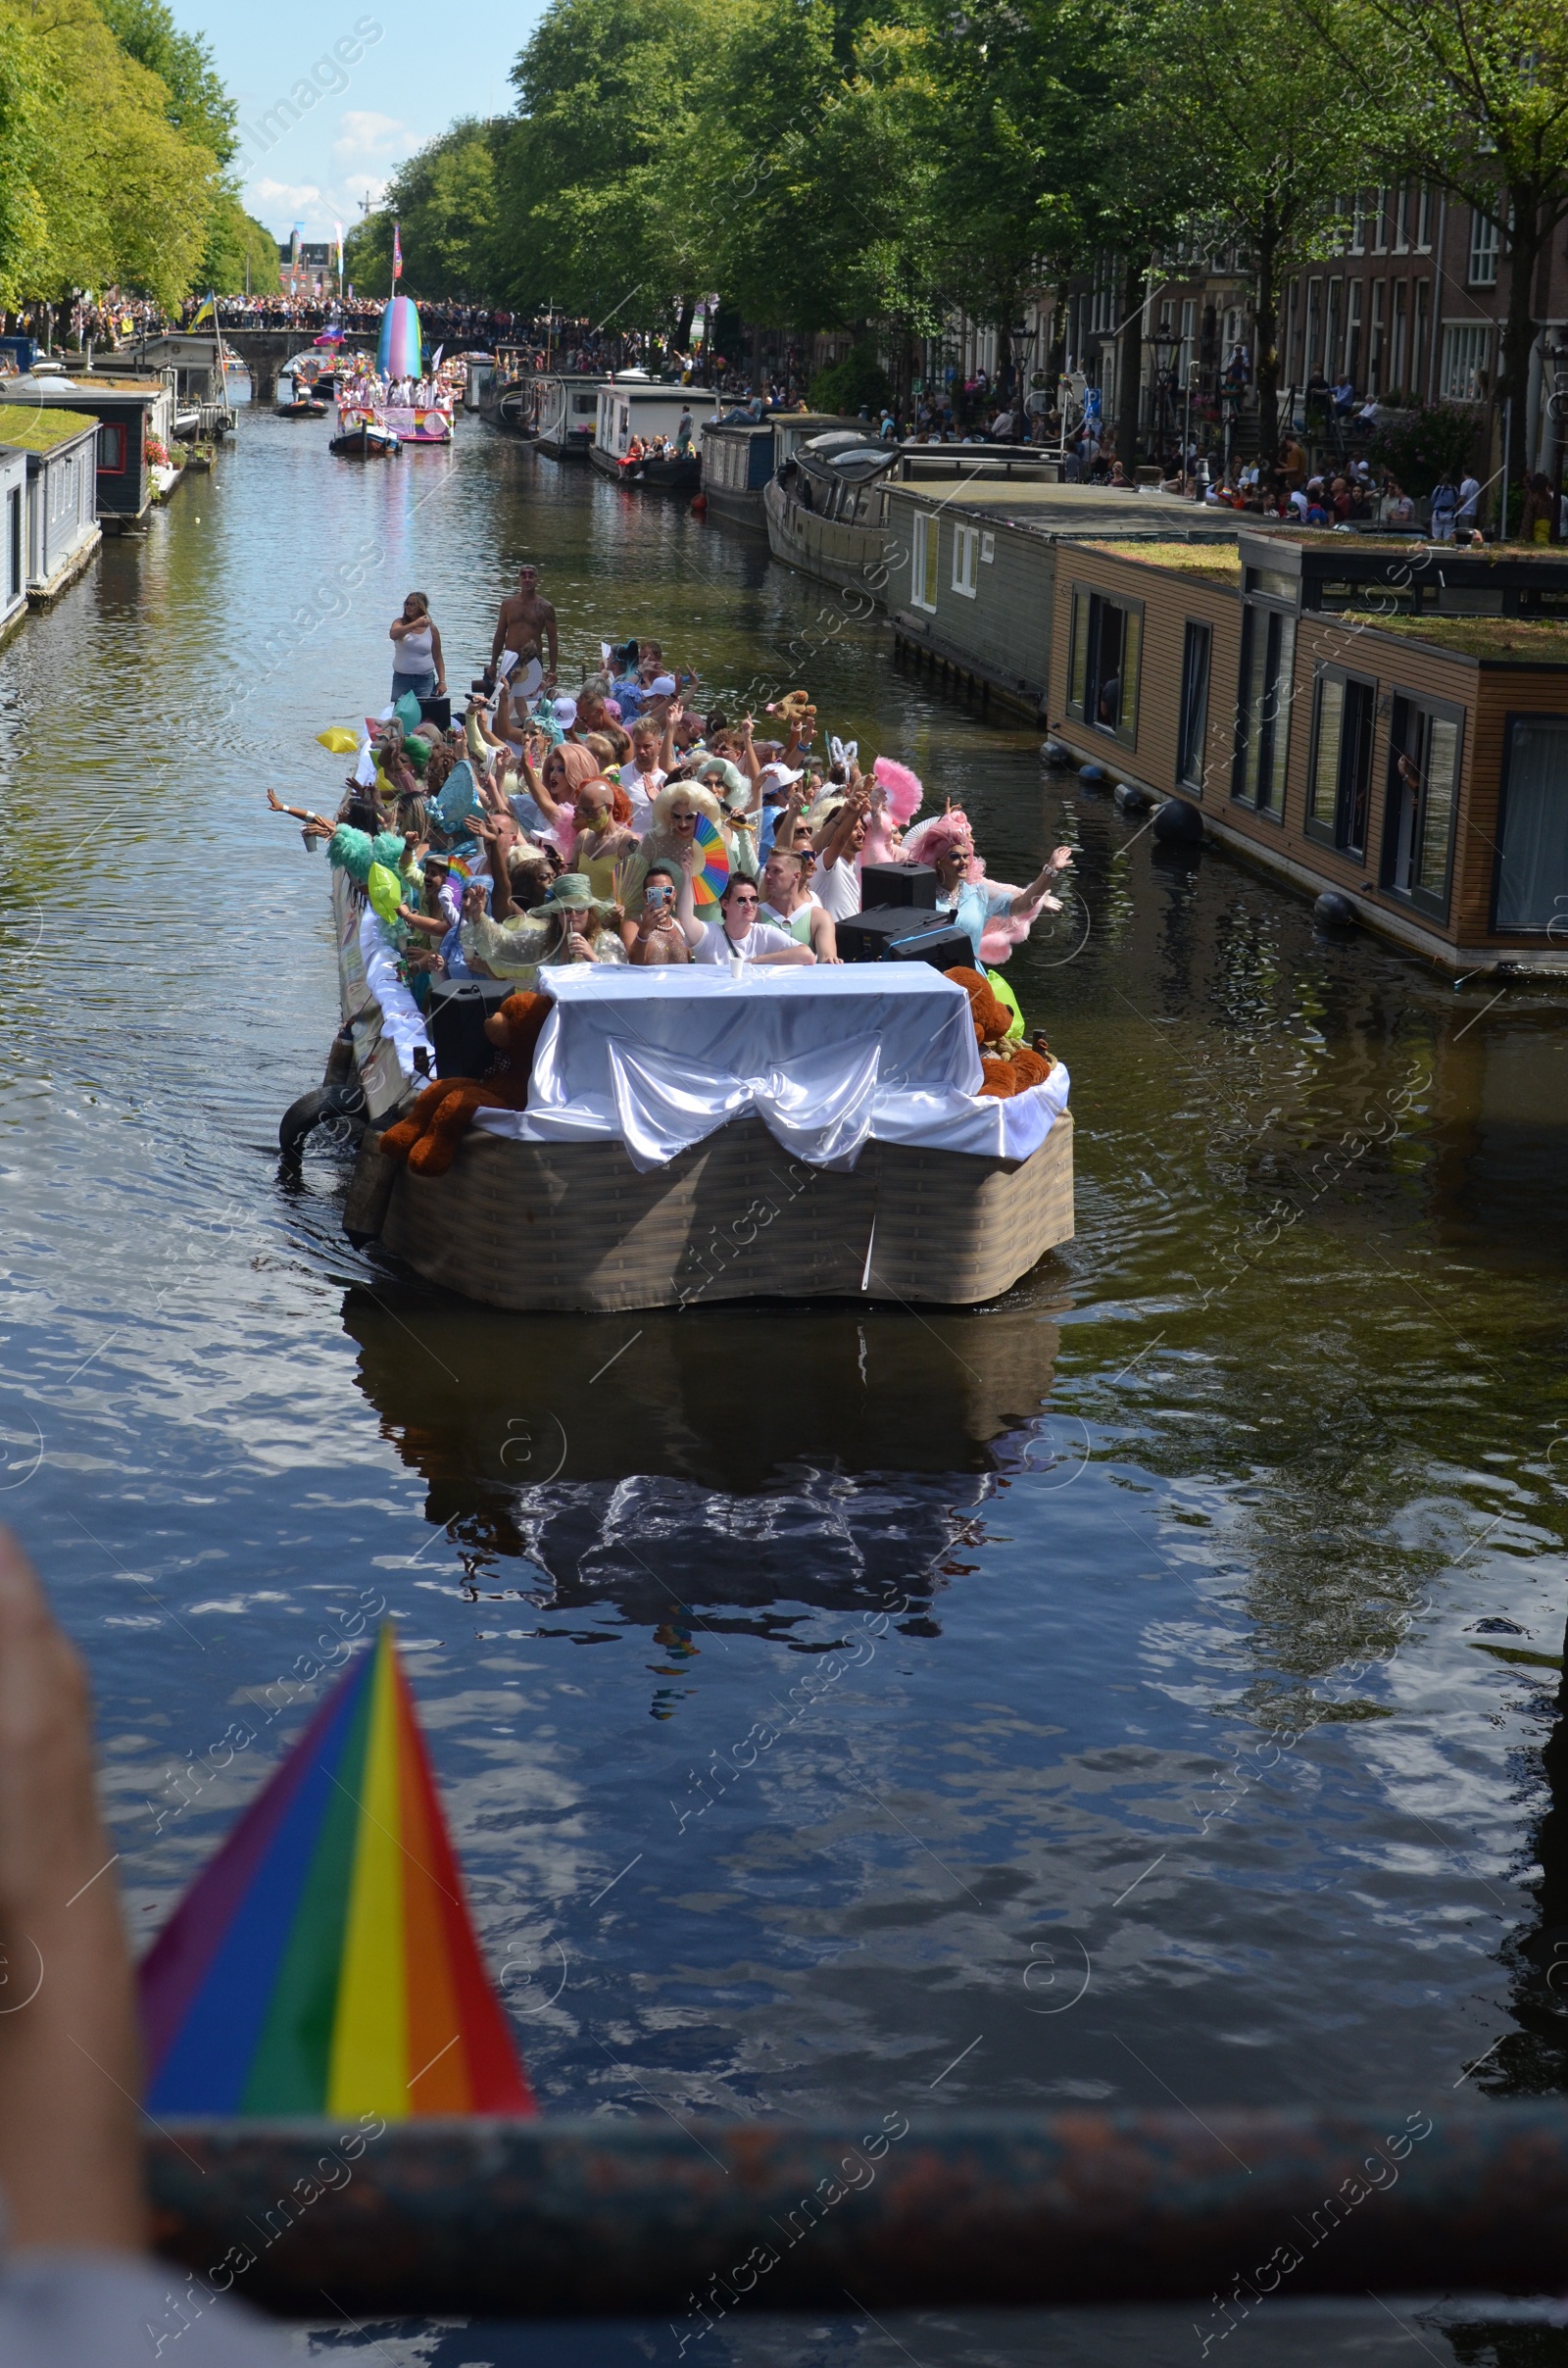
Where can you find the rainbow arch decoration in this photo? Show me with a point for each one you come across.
(398, 356)
(325, 1961)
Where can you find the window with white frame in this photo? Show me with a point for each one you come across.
(1423, 224)
(965, 560)
(927, 540)
(1484, 240)
(1466, 350)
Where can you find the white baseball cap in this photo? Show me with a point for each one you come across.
(565, 712)
(663, 686)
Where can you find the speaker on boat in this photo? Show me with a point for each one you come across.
(455, 1016)
(904, 935)
(883, 885)
(437, 712)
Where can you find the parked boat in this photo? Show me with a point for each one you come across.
(739, 456)
(566, 408)
(362, 438)
(635, 411)
(826, 508)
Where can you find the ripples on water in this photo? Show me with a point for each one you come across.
(1265, 1453)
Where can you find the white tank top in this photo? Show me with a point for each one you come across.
(415, 651)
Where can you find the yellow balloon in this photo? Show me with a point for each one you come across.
(385, 892)
(341, 743)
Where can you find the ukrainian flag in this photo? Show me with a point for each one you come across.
(207, 312)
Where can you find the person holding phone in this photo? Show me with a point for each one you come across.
(658, 937)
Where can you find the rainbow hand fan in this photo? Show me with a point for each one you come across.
(711, 875)
(324, 1963)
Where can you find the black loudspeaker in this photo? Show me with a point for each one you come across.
(437, 712)
(903, 936)
(458, 1011)
(887, 884)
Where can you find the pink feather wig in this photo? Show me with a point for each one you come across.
(904, 793)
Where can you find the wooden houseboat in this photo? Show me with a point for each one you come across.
(826, 510)
(838, 1187)
(1374, 717)
(972, 573)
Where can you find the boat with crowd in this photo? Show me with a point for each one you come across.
(726, 1122)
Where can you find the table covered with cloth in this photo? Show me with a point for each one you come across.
(656, 1058)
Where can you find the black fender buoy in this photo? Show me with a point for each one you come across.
(1179, 824)
(1054, 752)
(1132, 799)
(339, 1106)
(1331, 910)
(1092, 775)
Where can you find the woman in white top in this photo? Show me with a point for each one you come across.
(740, 933)
(416, 661)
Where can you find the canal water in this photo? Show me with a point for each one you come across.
(1136, 1692)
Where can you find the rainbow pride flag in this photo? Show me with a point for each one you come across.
(324, 1963)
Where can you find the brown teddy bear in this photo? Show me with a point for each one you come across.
(1009, 1069)
(794, 708)
(427, 1138)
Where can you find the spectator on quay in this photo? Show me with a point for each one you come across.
(1398, 507)
(1444, 502)
(1466, 517)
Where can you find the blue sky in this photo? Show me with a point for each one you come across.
(427, 63)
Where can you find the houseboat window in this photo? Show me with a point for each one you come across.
(1263, 713)
(1533, 841)
(927, 542)
(1340, 779)
(1107, 638)
(1274, 585)
(965, 560)
(14, 543)
(111, 451)
(1423, 794)
(1196, 650)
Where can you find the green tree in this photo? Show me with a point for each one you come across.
(122, 194)
(241, 253)
(24, 217)
(1236, 87)
(444, 200)
(1474, 98)
(603, 168)
(197, 103)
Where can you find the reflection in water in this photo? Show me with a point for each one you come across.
(770, 1462)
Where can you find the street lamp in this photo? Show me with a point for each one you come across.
(1164, 341)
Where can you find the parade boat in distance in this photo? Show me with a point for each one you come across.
(303, 406)
(638, 432)
(363, 435)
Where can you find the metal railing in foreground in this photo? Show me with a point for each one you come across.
(548, 2219)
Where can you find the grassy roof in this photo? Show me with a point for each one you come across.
(40, 430)
(1221, 560)
(1504, 641)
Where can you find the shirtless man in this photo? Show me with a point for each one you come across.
(526, 622)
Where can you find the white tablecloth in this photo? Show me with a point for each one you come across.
(401, 1019)
(658, 1059)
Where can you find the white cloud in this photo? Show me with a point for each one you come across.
(299, 201)
(368, 139)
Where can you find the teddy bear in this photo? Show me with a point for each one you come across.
(427, 1138)
(794, 708)
(1009, 1070)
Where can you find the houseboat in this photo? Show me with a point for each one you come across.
(1376, 719)
(971, 570)
(918, 1189)
(826, 508)
(13, 540)
(739, 456)
(60, 526)
(566, 410)
(635, 413)
(129, 412)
